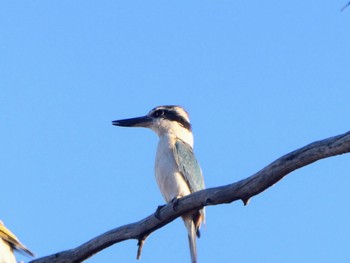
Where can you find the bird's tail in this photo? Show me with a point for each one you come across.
(191, 229)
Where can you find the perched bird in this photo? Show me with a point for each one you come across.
(176, 169)
(9, 242)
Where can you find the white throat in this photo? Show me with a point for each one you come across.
(172, 130)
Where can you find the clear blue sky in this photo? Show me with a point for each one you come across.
(259, 79)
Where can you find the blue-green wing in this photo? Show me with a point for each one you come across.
(188, 165)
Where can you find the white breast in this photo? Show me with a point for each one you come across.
(169, 179)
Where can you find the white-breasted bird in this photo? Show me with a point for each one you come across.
(9, 242)
(176, 169)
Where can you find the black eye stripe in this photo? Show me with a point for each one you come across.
(173, 116)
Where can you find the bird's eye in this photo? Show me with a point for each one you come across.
(158, 113)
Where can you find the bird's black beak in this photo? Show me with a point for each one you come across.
(144, 121)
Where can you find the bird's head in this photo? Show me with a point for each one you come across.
(162, 120)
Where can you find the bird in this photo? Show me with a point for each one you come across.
(9, 242)
(177, 171)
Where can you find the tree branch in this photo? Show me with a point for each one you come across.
(241, 190)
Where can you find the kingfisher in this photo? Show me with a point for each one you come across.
(9, 242)
(177, 171)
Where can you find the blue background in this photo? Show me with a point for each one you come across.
(259, 79)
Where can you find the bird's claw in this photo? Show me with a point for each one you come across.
(208, 201)
(157, 213)
(175, 202)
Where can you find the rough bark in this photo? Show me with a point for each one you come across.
(241, 190)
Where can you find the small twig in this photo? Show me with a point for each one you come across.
(140, 246)
(341, 10)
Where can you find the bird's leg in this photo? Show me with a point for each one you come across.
(157, 213)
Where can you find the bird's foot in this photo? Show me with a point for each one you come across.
(157, 213)
(175, 202)
(208, 201)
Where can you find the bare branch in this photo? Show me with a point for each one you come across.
(242, 190)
